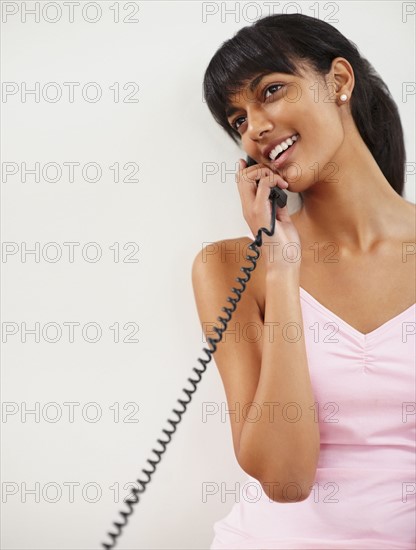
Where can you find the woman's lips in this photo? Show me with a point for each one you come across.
(284, 156)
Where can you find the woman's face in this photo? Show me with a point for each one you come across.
(283, 105)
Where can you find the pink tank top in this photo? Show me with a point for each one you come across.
(364, 495)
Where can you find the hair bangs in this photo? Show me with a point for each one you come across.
(240, 59)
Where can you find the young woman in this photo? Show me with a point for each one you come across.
(324, 421)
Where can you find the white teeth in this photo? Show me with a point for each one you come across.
(282, 146)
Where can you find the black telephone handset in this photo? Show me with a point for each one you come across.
(275, 192)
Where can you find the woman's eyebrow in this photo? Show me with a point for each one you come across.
(252, 86)
(230, 111)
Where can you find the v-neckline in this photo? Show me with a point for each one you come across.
(361, 335)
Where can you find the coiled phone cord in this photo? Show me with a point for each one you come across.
(278, 198)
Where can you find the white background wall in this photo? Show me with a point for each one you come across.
(170, 213)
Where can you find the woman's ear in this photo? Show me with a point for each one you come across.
(342, 74)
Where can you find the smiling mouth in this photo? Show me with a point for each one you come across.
(282, 147)
(283, 156)
(283, 152)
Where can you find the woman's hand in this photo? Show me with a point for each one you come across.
(283, 250)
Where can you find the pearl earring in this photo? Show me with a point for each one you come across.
(343, 97)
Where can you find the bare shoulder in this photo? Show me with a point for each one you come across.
(412, 215)
(214, 272)
(411, 207)
(407, 224)
(411, 204)
(218, 264)
(408, 241)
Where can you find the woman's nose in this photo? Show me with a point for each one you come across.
(258, 122)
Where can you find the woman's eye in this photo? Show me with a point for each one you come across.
(272, 87)
(235, 124)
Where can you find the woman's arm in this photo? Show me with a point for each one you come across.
(271, 372)
(282, 447)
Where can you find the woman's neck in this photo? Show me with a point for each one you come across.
(358, 207)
